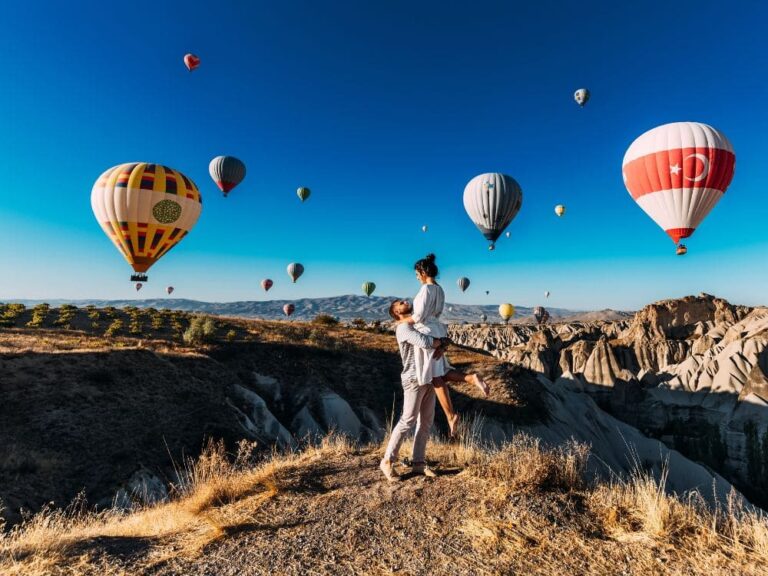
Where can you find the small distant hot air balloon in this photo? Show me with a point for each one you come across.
(546, 293)
(450, 308)
(303, 193)
(227, 172)
(138, 286)
(581, 96)
(541, 315)
(487, 292)
(492, 200)
(424, 228)
(506, 311)
(483, 317)
(677, 173)
(145, 210)
(295, 270)
(266, 284)
(169, 290)
(368, 288)
(681, 250)
(463, 283)
(508, 234)
(288, 309)
(191, 61)
(560, 210)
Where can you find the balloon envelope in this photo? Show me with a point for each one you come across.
(424, 228)
(506, 311)
(145, 210)
(266, 284)
(559, 209)
(368, 288)
(295, 270)
(303, 193)
(288, 309)
(227, 172)
(483, 317)
(546, 294)
(463, 283)
(492, 200)
(677, 173)
(191, 61)
(138, 286)
(169, 290)
(581, 96)
(540, 314)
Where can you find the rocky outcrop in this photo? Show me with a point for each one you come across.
(693, 372)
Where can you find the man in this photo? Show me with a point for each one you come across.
(418, 400)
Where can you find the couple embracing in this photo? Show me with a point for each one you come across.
(422, 339)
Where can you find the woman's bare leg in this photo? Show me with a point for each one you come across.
(444, 397)
(458, 376)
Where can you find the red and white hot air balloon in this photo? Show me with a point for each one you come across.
(266, 284)
(191, 61)
(288, 309)
(677, 172)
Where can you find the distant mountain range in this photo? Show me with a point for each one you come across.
(345, 308)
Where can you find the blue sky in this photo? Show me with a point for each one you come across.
(385, 110)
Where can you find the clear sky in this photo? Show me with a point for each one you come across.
(385, 110)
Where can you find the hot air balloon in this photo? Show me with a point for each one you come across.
(169, 290)
(227, 172)
(508, 234)
(303, 193)
(266, 284)
(463, 283)
(483, 317)
(541, 315)
(487, 292)
(295, 270)
(424, 228)
(191, 61)
(145, 209)
(492, 200)
(288, 309)
(138, 286)
(368, 288)
(677, 173)
(546, 293)
(450, 308)
(581, 96)
(506, 311)
(559, 209)
(681, 250)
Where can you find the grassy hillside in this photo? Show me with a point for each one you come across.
(327, 510)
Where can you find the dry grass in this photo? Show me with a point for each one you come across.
(521, 508)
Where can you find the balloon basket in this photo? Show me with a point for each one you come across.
(139, 278)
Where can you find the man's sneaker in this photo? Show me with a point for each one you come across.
(389, 471)
(423, 470)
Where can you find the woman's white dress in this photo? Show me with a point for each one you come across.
(427, 307)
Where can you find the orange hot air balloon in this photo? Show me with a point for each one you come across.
(288, 309)
(145, 210)
(677, 173)
(191, 61)
(266, 284)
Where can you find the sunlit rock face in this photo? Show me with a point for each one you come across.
(692, 372)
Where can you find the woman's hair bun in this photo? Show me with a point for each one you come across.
(430, 257)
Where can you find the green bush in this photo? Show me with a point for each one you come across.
(231, 335)
(114, 327)
(39, 314)
(201, 330)
(325, 320)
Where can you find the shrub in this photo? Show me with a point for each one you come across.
(39, 313)
(359, 323)
(201, 330)
(231, 335)
(325, 320)
(114, 327)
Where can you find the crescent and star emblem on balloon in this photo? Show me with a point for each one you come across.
(705, 161)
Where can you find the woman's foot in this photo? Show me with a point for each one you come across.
(422, 469)
(453, 425)
(477, 381)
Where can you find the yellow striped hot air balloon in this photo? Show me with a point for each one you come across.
(145, 209)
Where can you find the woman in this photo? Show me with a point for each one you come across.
(427, 307)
